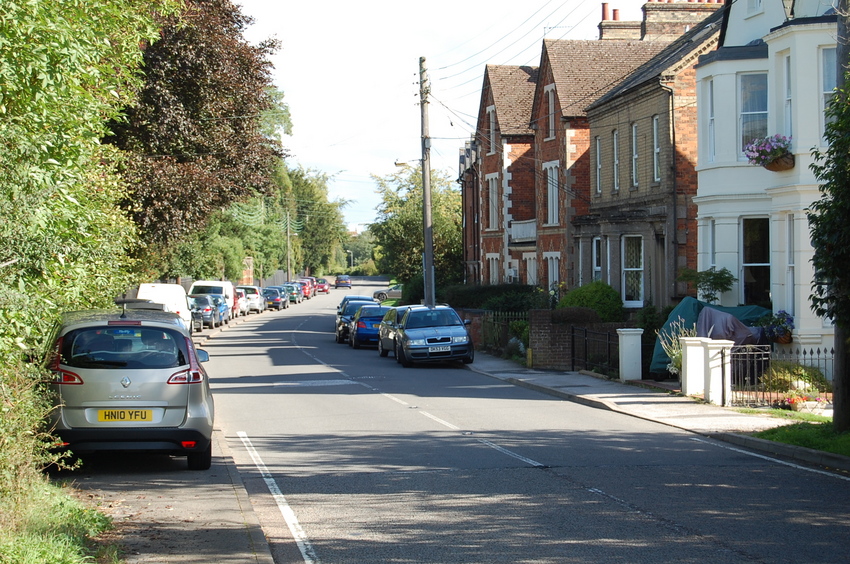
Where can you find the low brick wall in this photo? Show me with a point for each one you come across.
(549, 334)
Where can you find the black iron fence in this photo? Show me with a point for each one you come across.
(764, 376)
(598, 351)
(496, 328)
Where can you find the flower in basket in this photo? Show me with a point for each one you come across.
(776, 325)
(765, 150)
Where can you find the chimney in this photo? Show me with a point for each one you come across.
(616, 13)
(615, 29)
(668, 20)
(605, 11)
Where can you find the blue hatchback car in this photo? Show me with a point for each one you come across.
(363, 327)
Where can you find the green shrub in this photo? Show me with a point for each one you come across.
(597, 296)
(516, 301)
(785, 376)
(519, 329)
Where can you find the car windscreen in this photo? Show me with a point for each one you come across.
(432, 318)
(124, 347)
(351, 308)
(369, 311)
(208, 289)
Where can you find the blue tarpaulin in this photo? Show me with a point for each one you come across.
(688, 310)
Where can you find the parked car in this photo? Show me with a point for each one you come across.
(323, 286)
(342, 281)
(210, 313)
(344, 318)
(314, 282)
(363, 328)
(305, 288)
(130, 380)
(309, 289)
(295, 292)
(223, 308)
(284, 303)
(220, 287)
(388, 328)
(429, 334)
(274, 299)
(391, 293)
(353, 297)
(197, 317)
(240, 303)
(254, 294)
(173, 296)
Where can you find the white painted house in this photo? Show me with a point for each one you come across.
(772, 73)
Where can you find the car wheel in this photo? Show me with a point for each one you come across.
(355, 344)
(382, 297)
(469, 357)
(402, 358)
(350, 340)
(381, 350)
(338, 338)
(200, 460)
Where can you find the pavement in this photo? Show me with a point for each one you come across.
(645, 400)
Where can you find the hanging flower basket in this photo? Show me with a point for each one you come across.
(785, 162)
(784, 339)
(773, 153)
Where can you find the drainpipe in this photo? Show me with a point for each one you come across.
(674, 190)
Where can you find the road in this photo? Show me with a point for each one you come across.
(348, 457)
(376, 463)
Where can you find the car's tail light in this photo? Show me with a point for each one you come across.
(361, 325)
(194, 375)
(61, 376)
(188, 444)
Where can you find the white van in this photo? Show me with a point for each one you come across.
(172, 296)
(215, 287)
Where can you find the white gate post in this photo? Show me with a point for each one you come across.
(693, 365)
(716, 390)
(630, 354)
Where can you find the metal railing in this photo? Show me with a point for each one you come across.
(598, 351)
(495, 328)
(762, 376)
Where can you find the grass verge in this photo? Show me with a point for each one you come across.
(817, 436)
(50, 526)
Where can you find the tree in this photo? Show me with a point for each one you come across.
(322, 223)
(830, 234)
(398, 230)
(201, 135)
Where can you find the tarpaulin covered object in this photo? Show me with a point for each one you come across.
(736, 325)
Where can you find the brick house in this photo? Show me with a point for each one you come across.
(640, 228)
(499, 189)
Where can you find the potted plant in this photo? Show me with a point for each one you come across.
(777, 326)
(773, 153)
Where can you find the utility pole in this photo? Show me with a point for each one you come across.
(288, 251)
(427, 226)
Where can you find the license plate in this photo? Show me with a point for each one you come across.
(440, 349)
(121, 415)
(376, 326)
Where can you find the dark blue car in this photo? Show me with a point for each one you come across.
(363, 327)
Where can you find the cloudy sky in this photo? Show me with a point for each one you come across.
(350, 74)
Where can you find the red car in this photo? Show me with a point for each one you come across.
(322, 285)
(309, 288)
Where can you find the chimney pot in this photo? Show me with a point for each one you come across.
(616, 14)
(605, 11)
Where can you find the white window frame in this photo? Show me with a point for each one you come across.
(551, 172)
(635, 155)
(530, 268)
(491, 130)
(742, 276)
(492, 180)
(711, 149)
(656, 149)
(790, 274)
(615, 162)
(744, 117)
(598, 164)
(549, 92)
(628, 270)
(788, 105)
(596, 252)
(493, 267)
(828, 83)
(553, 263)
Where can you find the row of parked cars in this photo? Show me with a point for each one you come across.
(133, 379)
(413, 333)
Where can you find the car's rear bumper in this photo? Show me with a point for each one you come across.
(167, 440)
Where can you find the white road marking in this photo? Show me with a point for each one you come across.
(307, 550)
(776, 460)
(440, 421)
(528, 461)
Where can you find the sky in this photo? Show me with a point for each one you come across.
(349, 72)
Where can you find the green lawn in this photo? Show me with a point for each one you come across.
(810, 434)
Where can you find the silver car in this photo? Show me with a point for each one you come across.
(391, 293)
(131, 380)
(432, 334)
